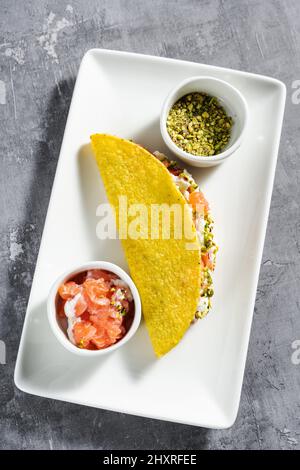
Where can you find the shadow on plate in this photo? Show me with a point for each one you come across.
(138, 354)
(47, 364)
(92, 195)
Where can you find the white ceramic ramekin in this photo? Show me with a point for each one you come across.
(230, 98)
(52, 314)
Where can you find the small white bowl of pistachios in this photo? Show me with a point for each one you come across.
(203, 120)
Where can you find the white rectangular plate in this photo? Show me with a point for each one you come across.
(198, 382)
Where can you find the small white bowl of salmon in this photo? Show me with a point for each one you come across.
(94, 308)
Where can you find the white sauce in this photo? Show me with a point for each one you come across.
(122, 284)
(117, 298)
(71, 316)
(182, 184)
(203, 304)
(200, 224)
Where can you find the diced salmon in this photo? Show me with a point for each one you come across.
(198, 202)
(100, 341)
(100, 307)
(80, 306)
(83, 332)
(96, 290)
(93, 297)
(207, 262)
(109, 330)
(69, 290)
(103, 312)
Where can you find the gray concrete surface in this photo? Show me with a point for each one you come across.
(41, 45)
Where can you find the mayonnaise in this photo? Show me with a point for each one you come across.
(71, 316)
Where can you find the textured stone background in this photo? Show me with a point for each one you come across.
(41, 45)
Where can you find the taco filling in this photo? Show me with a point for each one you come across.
(204, 226)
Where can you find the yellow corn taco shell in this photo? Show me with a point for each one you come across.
(166, 273)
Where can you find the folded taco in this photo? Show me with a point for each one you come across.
(173, 273)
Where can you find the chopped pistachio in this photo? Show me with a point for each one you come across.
(198, 124)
